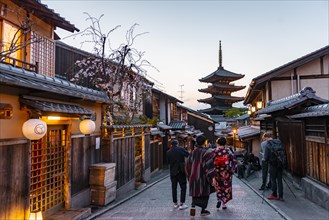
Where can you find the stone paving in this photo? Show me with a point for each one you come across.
(156, 203)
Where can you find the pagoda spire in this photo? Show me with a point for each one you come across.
(220, 54)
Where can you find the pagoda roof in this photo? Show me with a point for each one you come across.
(215, 110)
(219, 87)
(217, 98)
(221, 73)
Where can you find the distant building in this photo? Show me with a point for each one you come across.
(220, 89)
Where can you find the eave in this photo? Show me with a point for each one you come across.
(259, 81)
(46, 14)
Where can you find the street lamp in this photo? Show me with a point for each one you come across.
(234, 132)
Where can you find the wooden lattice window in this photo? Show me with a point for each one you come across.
(315, 127)
(47, 170)
(43, 53)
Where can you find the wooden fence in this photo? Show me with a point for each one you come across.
(317, 151)
(119, 146)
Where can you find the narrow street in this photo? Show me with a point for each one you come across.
(156, 203)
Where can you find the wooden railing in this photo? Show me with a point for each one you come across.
(20, 63)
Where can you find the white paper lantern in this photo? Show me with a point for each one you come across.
(34, 129)
(87, 126)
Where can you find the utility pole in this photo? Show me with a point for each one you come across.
(181, 92)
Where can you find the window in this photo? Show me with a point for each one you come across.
(43, 54)
(11, 42)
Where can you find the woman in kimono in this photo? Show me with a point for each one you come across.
(225, 163)
(200, 171)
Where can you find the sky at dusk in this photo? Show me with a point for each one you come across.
(183, 36)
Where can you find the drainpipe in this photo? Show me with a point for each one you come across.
(298, 83)
(292, 83)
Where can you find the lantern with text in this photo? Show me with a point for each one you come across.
(34, 129)
(87, 126)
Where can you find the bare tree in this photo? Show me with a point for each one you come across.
(121, 73)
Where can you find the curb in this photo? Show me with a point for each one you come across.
(102, 211)
(277, 209)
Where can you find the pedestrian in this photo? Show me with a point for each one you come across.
(176, 160)
(200, 170)
(225, 163)
(249, 164)
(265, 163)
(276, 171)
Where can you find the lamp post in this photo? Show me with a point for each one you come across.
(234, 132)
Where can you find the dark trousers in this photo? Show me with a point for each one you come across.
(181, 179)
(265, 169)
(200, 201)
(276, 180)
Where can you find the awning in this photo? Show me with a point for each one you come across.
(49, 107)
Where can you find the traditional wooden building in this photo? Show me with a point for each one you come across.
(298, 121)
(43, 174)
(220, 89)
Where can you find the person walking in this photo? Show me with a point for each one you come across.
(265, 164)
(176, 160)
(200, 170)
(225, 163)
(276, 170)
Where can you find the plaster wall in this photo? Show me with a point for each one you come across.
(311, 68)
(12, 128)
(281, 89)
(320, 86)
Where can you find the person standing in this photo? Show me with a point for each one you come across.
(225, 163)
(176, 160)
(200, 170)
(265, 164)
(276, 172)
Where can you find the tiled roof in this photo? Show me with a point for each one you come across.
(313, 111)
(19, 77)
(57, 107)
(243, 117)
(177, 125)
(248, 132)
(307, 94)
(163, 126)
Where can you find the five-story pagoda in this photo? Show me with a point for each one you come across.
(220, 89)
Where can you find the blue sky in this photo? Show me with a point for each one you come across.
(183, 36)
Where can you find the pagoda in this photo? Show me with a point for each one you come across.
(220, 89)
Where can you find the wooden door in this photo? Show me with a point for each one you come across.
(291, 133)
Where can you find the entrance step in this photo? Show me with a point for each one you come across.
(71, 214)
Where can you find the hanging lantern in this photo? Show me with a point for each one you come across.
(87, 126)
(34, 129)
(259, 104)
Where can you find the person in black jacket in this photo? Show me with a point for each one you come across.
(176, 160)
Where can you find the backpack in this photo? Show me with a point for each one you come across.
(278, 157)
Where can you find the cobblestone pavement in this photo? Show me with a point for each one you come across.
(155, 203)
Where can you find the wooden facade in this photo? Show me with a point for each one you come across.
(14, 181)
(126, 145)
